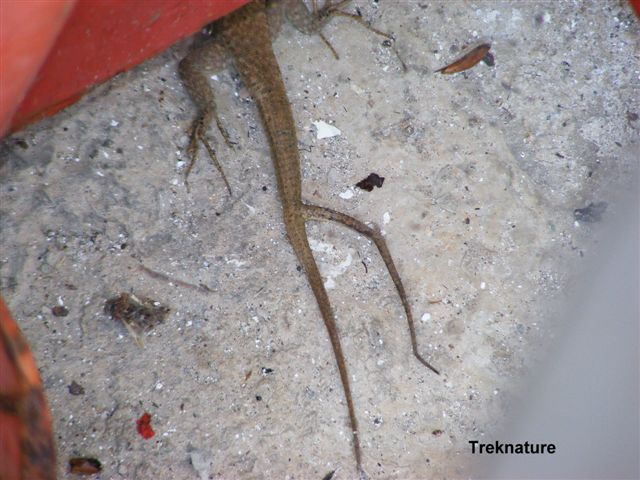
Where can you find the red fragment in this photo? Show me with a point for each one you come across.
(144, 426)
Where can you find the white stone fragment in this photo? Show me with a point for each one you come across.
(356, 88)
(347, 194)
(324, 130)
(330, 264)
(235, 262)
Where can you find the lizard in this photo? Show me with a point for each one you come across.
(246, 35)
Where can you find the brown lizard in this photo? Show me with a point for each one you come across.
(245, 34)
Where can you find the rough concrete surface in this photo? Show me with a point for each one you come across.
(483, 170)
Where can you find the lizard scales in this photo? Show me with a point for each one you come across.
(246, 35)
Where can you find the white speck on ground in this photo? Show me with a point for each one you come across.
(347, 194)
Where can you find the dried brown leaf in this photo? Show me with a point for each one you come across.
(467, 61)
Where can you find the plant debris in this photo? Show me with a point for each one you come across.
(59, 311)
(469, 60)
(84, 466)
(373, 180)
(591, 213)
(138, 314)
(329, 475)
(161, 276)
(143, 425)
(75, 388)
(489, 60)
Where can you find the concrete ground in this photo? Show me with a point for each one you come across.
(484, 172)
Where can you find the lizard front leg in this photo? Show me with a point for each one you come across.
(191, 69)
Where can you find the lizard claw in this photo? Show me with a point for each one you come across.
(362, 474)
(196, 133)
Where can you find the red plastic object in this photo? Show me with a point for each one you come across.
(27, 31)
(143, 425)
(98, 41)
(27, 450)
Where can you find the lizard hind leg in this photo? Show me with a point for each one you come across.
(333, 10)
(197, 84)
(312, 23)
(315, 212)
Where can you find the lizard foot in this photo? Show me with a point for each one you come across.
(196, 135)
(313, 22)
(192, 72)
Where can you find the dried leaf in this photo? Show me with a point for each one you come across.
(139, 315)
(75, 388)
(84, 466)
(373, 180)
(467, 61)
(60, 311)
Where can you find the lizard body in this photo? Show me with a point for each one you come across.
(245, 34)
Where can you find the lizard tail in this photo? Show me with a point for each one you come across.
(296, 231)
(315, 212)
